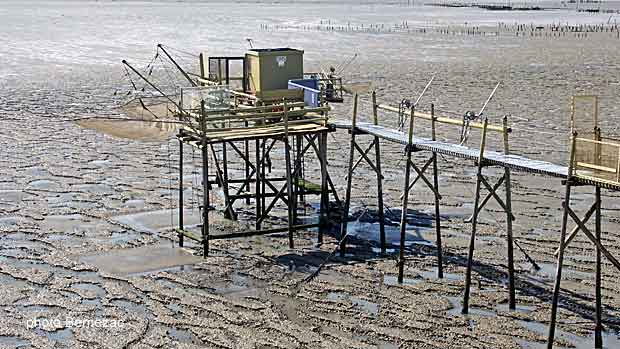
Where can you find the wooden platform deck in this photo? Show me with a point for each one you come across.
(514, 162)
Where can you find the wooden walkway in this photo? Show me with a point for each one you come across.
(514, 162)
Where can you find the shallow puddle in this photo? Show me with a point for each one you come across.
(13, 342)
(12, 196)
(44, 184)
(183, 336)
(611, 340)
(141, 260)
(457, 308)
(365, 305)
(155, 221)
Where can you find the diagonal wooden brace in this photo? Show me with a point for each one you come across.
(421, 175)
(489, 196)
(576, 229)
(246, 183)
(428, 163)
(596, 242)
(365, 152)
(280, 193)
(493, 193)
(329, 179)
(365, 157)
(229, 210)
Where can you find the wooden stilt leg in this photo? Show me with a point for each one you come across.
(227, 203)
(299, 196)
(472, 240)
(347, 200)
(289, 181)
(558, 273)
(324, 186)
(246, 150)
(181, 192)
(205, 199)
(405, 202)
(598, 329)
(263, 173)
(257, 185)
(379, 177)
(403, 219)
(509, 216)
(205, 183)
(437, 213)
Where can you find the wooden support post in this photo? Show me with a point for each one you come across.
(246, 150)
(347, 200)
(598, 328)
(472, 240)
(298, 177)
(289, 180)
(324, 219)
(558, 274)
(257, 184)
(181, 227)
(512, 304)
(405, 201)
(229, 214)
(263, 172)
(205, 185)
(437, 198)
(375, 119)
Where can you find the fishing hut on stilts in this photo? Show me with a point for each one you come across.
(273, 110)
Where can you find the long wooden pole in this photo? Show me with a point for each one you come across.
(598, 329)
(509, 237)
(558, 273)
(375, 119)
(289, 180)
(181, 227)
(324, 186)
(405, 201)
(472, 240)
(160, 46)
(347, 200)
(257, 184)
(205, 187)
(436, 185)
(246, 150)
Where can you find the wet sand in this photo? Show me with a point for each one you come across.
(72, 198)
